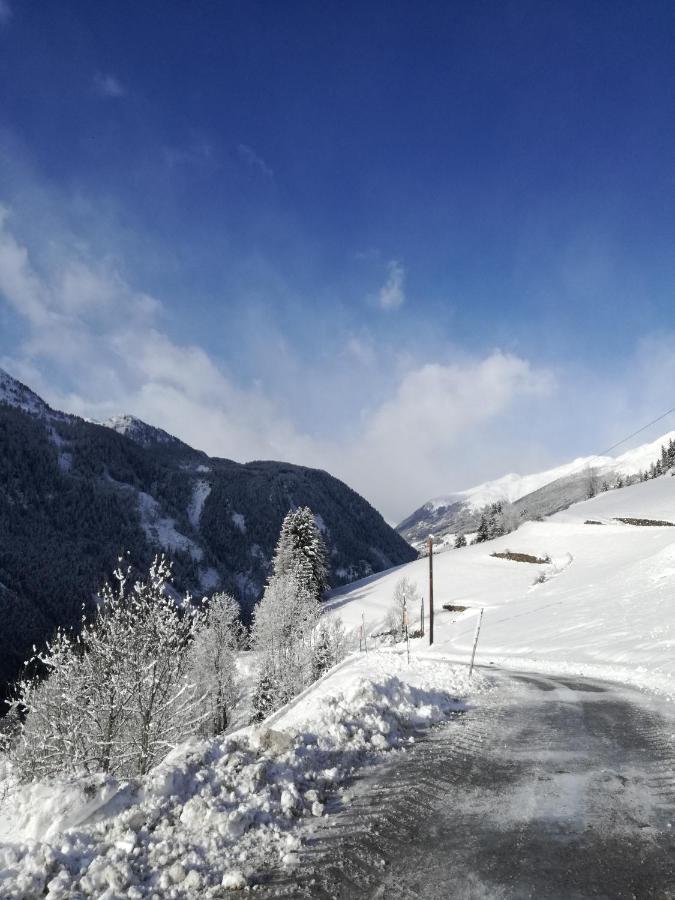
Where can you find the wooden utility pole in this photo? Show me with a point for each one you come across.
(431, 590)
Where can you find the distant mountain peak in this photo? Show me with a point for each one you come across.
(14, 393)
(547, 491)
(139, 431)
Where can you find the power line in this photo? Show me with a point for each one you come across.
(639, 431)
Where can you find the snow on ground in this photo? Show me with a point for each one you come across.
(239, 521)
(200, 492)
(215, 813)
(604, 605)
(161, 530)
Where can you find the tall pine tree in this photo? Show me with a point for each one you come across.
(301, 552)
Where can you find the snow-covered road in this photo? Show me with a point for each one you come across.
(550, 787)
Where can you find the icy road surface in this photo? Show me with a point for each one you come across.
(551, 787)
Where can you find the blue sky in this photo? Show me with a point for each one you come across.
(418, 245)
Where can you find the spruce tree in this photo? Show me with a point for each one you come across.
(460, 540)
(301, 551)
(483, 531)
(265, 696)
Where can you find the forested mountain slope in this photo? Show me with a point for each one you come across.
(74, 495)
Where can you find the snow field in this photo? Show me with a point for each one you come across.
(604, 606)
(215, 813)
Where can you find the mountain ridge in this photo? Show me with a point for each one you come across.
(75, 495)
(547, 492)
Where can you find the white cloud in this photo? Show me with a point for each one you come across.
(440, 425)
(5, 12)
(249, 156)
(392, 293)
(106, 352)
(395, 426)
(105, 342)
(107, 85)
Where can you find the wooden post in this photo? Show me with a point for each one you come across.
(422, 617)
(407, 630)
(431, 590)
(475, 641)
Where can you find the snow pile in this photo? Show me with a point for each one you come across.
(214, 813)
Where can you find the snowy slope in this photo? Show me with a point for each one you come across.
(512, 487)
(607, 600)
(14, 393)
(139, 431)
(443, 514)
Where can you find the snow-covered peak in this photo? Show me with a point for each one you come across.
(139, 431)
(512, 487)
(14, 393)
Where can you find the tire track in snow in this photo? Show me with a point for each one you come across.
(550, 788)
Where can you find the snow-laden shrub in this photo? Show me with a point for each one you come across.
(119, 696)
(406, 602)
(283, 636)
(330, 645)
(213, 662)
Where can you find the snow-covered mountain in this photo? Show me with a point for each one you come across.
(75, 494)
(140, 431)
(547, 491)
(14, 393)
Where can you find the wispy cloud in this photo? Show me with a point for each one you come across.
(392, 292)
(409, 427)
(97, 346)
(107, 85)
(249, 156)
(105, 342)
(5, 12)
(196, 152)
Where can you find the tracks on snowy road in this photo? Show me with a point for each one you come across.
(557, 788)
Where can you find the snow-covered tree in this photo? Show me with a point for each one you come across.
(406, 597)
(158, 633)
(265, 698)
(213, 661)
(483, 530)
(591, 480)
(118, 697)
(283, 634)
(53, 738)
(301, 551)
(291, 645)
(330, 645)
(460, 540)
